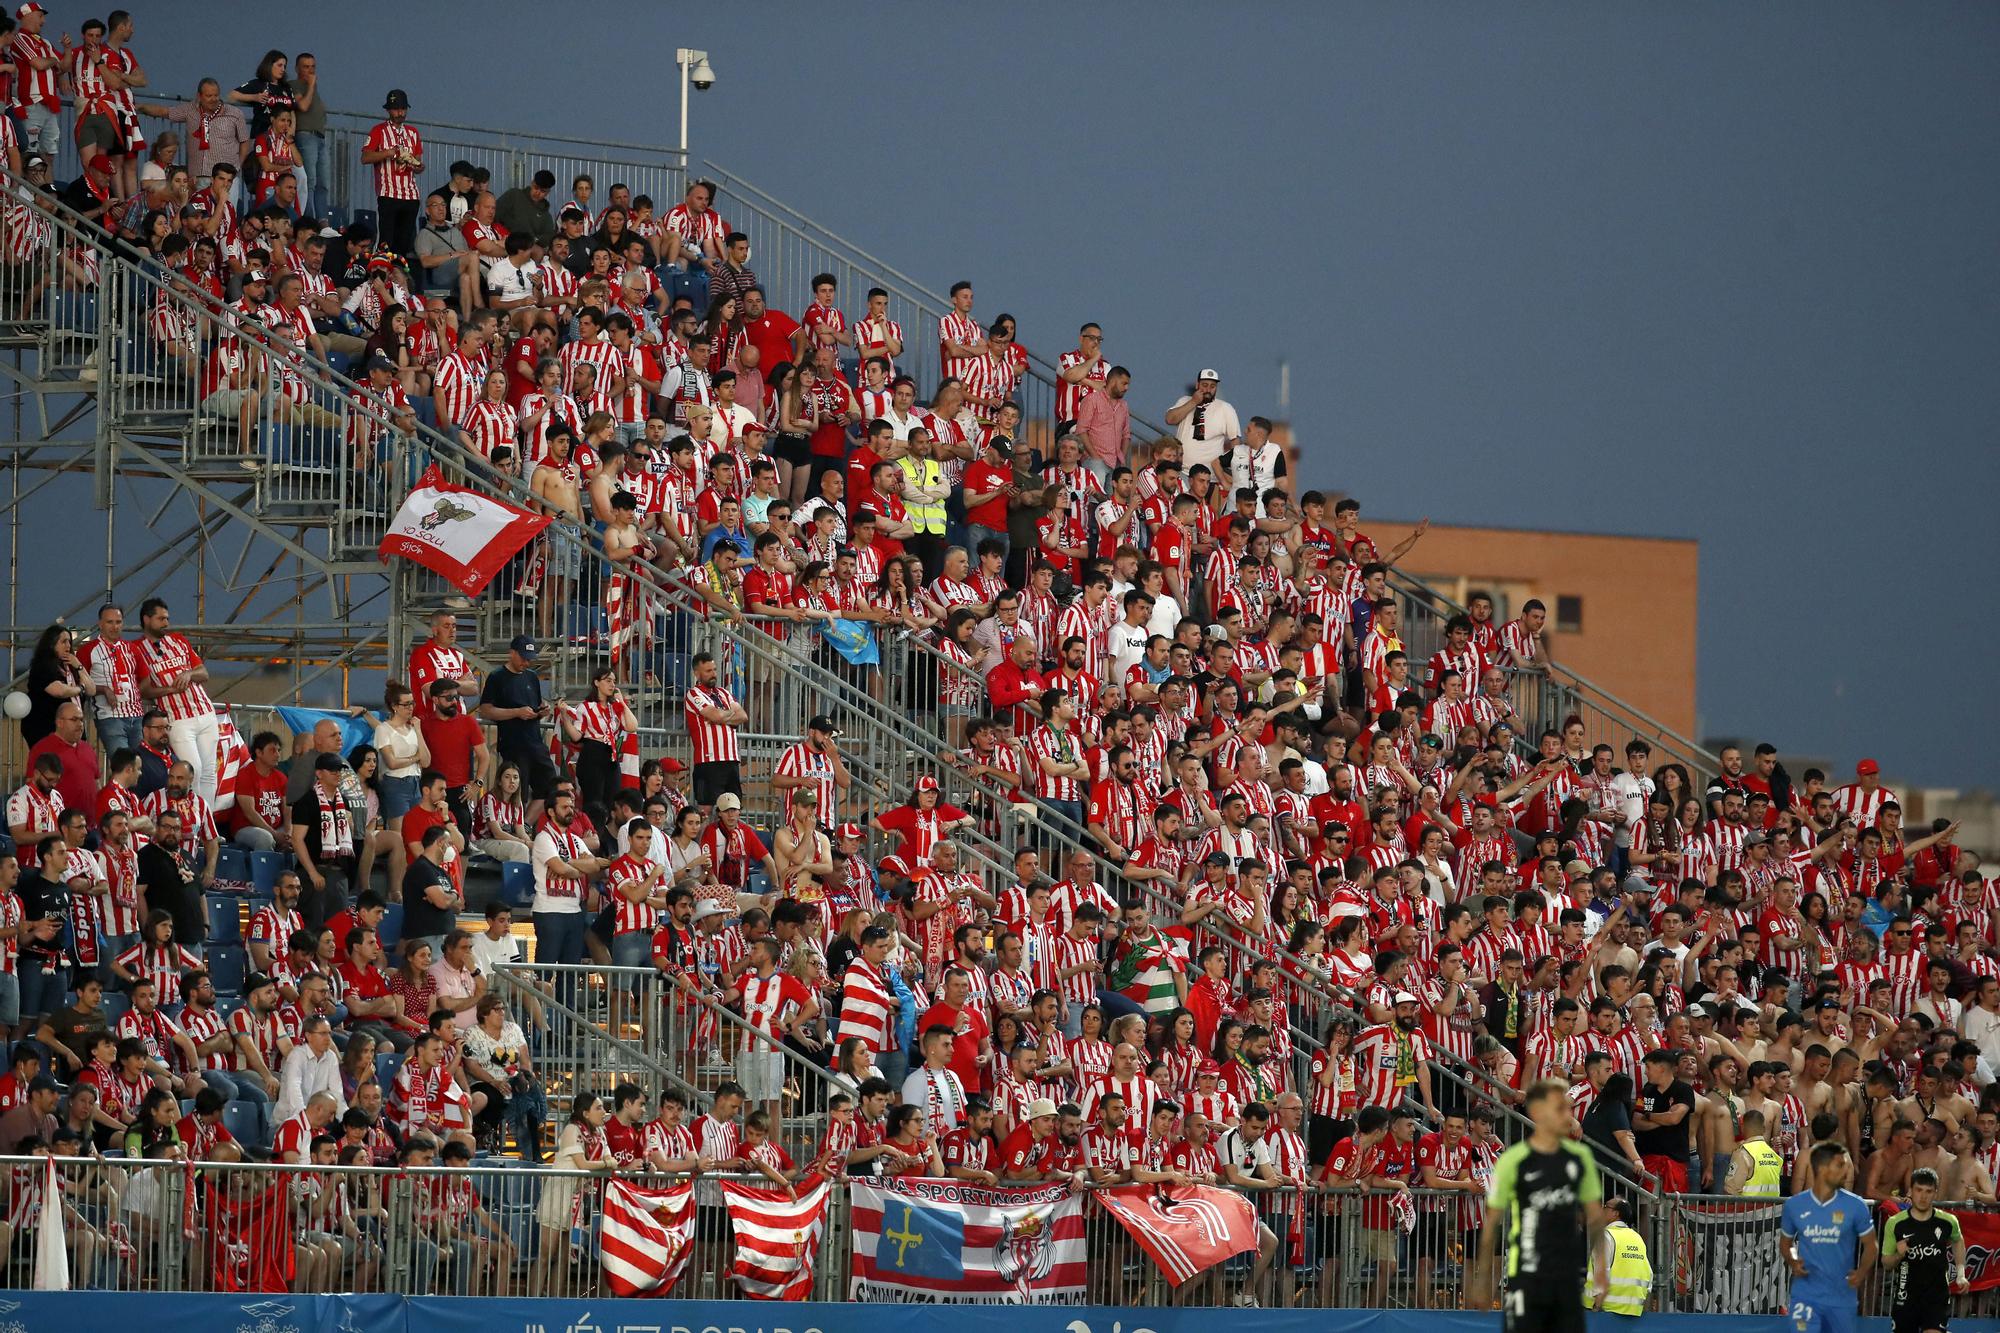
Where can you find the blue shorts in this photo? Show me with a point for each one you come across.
(1812, 1315)
(398, 796)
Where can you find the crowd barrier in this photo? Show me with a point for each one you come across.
(433, 1314)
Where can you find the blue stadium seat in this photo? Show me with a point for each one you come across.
(386, 1065)
(225, 918)
(264, 868)
(232, 868)
(116, 1003)
(226, 1005)
(243, 1122)
(227, 965)
(391, 929)
(517, 883)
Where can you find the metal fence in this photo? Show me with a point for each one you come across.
(498, 1227)
(614, 1025)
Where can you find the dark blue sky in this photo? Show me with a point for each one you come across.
(1715, 270)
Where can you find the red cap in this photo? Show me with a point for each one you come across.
(1867, 768)
(30, 8)
(672, 766)
(99, 162)
(850, 831)
(894, 864)
(1208, 1069)
(927, 783)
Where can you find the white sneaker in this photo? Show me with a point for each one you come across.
(1244, 1301)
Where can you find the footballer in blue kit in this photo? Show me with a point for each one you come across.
(1820, 1240)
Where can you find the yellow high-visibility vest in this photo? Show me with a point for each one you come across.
(1631, 1272)
(1767, 1171)
(925, 472)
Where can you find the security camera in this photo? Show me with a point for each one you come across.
(702, 76)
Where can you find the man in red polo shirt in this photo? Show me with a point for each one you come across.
(79, 781)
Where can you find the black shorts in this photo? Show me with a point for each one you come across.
(793, 449)
(1537, 1305)
(715, 778)
(1434, 1233)
(1919, 1318)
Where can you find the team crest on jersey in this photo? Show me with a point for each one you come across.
(1838, 1217)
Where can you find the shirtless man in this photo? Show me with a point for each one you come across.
(1933, 1099)
(1721, 1119)
(1889, 1169)
(557, 485)
(1966, 1177)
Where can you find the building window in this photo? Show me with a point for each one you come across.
(1569, 614)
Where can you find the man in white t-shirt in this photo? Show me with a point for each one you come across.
(496, 945)
(1206, 424)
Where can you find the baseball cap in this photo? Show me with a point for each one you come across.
(672, 766)
(1216, 632)
(893, 865)
(729, 800)
(572, 211)
(1867, 768)
(35, 162)
(1208, 1069)
(43, 1083)
(256, 275)
(1404, 997)
(1209, 374)
(1216, 859)
(850, 830)
(1755, 840)
(99, 162)
(29, 8)
(329, 233)
(381, 362)
(820, 722)
(255, 982)
(194, 208)
(524, 644)
(329, 763)
(1829, 1002)
(927, 783)
(755, 428)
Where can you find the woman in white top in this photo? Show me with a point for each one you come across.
(401, 755)
(687, 860)
(580, 1148)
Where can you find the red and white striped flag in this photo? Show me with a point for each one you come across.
(646, 1237)
(1186, 1232)
(777, 1238)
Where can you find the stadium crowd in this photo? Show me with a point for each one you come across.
(1257, 817)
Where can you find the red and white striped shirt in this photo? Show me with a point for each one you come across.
(162, 966)
(714, 742)
(205, 1025)
(36, 87)
(1865, 808)
(273, 927)
(1067, 951)
(800, 760)
(1383, 1070)
(953, 327)
(393, 180)
(171, 655)
(630, 915)
(769, 1002)
(40, 812)
(1069, 397)
(264, 1033)
(1045, 743)
(1141, 1094)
